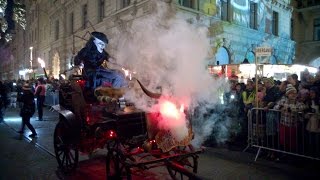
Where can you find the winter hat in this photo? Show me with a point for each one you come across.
(290, 89)
(101, 36)
(270, 80)
(26, 87)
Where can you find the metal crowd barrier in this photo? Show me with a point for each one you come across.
(293, 133)
(52, 98)
(13, 99)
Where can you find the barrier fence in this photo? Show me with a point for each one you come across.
(293, 133)
(52, 98)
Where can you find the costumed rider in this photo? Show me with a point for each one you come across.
(92, 56)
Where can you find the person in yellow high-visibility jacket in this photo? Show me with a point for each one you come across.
(249, 95)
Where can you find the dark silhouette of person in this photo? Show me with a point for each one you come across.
(27, 110)
(40, 94)
(4, 100)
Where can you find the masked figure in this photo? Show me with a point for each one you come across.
(92, 56)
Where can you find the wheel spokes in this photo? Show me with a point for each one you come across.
(66, 153)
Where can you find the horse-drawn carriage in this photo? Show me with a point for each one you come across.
(129, 135)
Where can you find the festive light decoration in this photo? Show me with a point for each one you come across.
(20, 15)
(13, 12)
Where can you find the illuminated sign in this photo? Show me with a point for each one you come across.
(263, 51)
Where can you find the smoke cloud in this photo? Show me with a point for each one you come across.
(168, 54)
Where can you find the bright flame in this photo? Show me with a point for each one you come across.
(126, 71)
(129, 73)
(63, 76)
(42, 63)
(172, 118)
(182, 108)
(169, 109)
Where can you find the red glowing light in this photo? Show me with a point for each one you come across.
(170, 110)
(81, 83)
(111, 134)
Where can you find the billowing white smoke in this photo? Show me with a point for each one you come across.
(165, 50)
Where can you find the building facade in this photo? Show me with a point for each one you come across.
(58, 29)
(306, 26)
(237, 27)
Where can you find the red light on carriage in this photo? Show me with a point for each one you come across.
(81, 83)
(111, 134)
(88, 119)
(89, 115)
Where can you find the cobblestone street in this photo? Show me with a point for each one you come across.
(26, 158)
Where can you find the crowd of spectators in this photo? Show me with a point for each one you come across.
(288, 97)
(13, 89)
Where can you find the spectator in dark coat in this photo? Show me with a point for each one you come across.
(27, 110)
(4, 100)
(273, 93)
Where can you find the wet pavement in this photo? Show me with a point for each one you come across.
(34, 157)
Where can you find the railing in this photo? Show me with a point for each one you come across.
(52, 98)
(293, 133)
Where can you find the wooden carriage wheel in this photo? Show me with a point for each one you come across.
(184, 167)
(67, 153)
(115, 163)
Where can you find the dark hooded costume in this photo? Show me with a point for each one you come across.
(95, 74)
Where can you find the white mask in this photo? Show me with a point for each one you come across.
(100, 44)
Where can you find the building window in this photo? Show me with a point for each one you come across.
(225, 11)
(291, 28)
(316, 29)
(56, 35)
(71, 25)
(253, 15)
(125, 3)
(84, 15)
(101, 10)
(275, 23)
(222, 56)
(193, 4)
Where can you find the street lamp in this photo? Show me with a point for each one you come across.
(31, 57)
